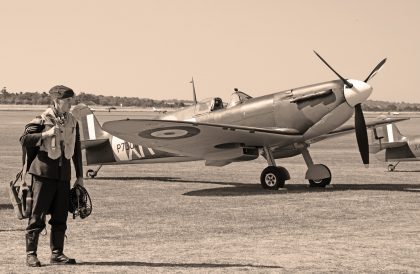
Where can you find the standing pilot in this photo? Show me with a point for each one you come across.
(52, 139)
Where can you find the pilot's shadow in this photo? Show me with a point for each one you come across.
(176, 265)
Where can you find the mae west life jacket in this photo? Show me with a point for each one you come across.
(66, 136)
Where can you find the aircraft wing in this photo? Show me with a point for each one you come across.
(201, 140)
(350, 128)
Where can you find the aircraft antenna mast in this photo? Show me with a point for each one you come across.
(194, 96)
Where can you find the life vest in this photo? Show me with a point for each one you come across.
(66, 135)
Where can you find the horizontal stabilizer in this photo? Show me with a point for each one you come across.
(93, 143)
(375, 147)
(402, 153)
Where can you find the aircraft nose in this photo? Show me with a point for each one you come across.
(358, 93)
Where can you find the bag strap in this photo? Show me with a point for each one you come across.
(22, 173)
(23, 155)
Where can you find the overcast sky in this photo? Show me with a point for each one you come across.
(151, 49)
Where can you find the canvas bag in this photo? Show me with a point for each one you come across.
(20, 192)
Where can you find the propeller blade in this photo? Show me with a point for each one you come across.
(375, 70)
(361, 133)
(347, 83)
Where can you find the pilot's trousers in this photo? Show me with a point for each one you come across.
(50, 197)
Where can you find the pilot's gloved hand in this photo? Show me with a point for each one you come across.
(79, 181)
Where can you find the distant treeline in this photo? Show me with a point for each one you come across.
(42, 98)
(372, 105)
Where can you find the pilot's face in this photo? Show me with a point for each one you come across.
(63, 105)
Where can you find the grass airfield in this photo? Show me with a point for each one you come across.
(185, 217)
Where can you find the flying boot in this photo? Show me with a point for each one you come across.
(57, 246)
(31, 248)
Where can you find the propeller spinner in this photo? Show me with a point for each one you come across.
(355, 93)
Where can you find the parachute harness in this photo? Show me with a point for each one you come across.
(80, 202)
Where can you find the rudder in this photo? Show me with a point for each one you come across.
(386, 136)
(388, 133)
(90, 127)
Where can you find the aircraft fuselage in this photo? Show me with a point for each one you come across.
(310, 110)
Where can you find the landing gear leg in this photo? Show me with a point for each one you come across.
(318, 175)
(392, 167)
(273, 177)
(92, 173)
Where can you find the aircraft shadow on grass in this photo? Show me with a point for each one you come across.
(406, 171)
(167, 179)
(250, 189)
(180, 265)
(254, 189)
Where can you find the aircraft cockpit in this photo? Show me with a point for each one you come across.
(238, 97)
(209, 105)
(217, 103)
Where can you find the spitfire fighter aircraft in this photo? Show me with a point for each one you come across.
(389, 145)
(274, 126)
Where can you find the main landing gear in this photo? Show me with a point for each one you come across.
(92, 173)
(273, 177)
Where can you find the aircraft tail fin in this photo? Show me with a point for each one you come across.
(90, 127)
(386, 136)
(93, 138)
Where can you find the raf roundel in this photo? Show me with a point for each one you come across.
(177, 132)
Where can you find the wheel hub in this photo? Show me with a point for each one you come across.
(270, 179)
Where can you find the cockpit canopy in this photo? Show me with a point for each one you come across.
(238, 97)
(208, 105)
(216, 103)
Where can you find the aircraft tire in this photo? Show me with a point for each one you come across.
(391, 167)
(273, 177)
(90, 174)
(322, 182)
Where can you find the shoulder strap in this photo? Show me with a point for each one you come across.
(23, 155)
(24, 166)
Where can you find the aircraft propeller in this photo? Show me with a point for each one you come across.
(375, 70)
(356, 97)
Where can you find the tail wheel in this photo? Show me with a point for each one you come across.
(391, 167)
(274, 177)
(91, 174)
